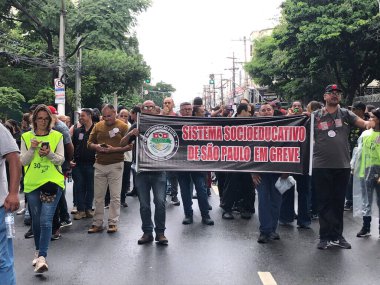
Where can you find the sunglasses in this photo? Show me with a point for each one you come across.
(148, 107)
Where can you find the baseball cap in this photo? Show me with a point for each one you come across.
(53, 110)
(332, 87)
(359, 105)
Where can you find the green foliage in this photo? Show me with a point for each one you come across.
(10, 102)
(44, 96)
(320, 42)
(157, 93)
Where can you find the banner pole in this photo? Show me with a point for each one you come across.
(311, 144)
(137, 144)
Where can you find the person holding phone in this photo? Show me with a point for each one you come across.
(42, 154)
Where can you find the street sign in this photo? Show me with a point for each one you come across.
(59, 90)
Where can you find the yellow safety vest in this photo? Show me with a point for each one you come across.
(41, 170)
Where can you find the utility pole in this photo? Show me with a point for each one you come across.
(244, 40)
(78, 79)
(233, 76)
(61, 70)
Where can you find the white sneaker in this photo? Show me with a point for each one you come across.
(41, 265)
(22, 211)
(34, 262)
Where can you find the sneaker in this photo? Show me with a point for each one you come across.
(274, 236)
(263, 238)
(94, 229)
(347, 207)
(89, 214)
(246, 215)
(161, 239)
(112, 229)
(145, 238)
(22, 211)
(56, 235)
(80, 215)
(133, 192)
(66, 223)
(227, 216)
(41, 265)
(207, 220)
(187, 220)
(74, 210)
(314, 216)
(323, 244)
(34, 262)
(341, 242)
(124, 204)
(106, 206)
(175, 201)
(364, 232)
(29, 233)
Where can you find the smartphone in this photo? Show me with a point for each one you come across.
(103, 145)
(45, 145)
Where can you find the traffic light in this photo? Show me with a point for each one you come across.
(147, 81)
(212, 77)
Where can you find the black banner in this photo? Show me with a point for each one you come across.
(265, 144)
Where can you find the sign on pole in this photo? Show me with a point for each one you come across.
(59, 89)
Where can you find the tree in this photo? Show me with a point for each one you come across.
(10, 102)
(158, 92)
(44, 96)
(320, 42)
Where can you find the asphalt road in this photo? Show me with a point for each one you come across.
(226, 253)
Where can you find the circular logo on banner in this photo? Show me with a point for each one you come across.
(160, 142)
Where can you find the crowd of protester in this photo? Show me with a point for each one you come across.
(99, 154)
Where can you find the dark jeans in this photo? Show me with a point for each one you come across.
(126, 181)
(331, 185)
(61, 212)
(287, 207)
(186, 180)
(314, 197)
(349, 191)
(42, 217)
(172, 178)
(145, 182)
(83, 176)
(221, 177)
(239, 187)
(269, 203)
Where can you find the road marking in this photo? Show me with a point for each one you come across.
(267, 278)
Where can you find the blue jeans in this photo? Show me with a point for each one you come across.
(186, 180)
(83, 176)
(157, 182)
(287, 206)
(269, 203)
(7, 271)
(42, 219)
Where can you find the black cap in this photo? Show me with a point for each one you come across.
(359, 105)
(198, 101)
(332, 87)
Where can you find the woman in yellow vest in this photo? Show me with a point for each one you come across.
(42, 154)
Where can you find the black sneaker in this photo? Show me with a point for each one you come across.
(274, 236)
(323, 244)
(29, 233)
(246, 215)
(187, 220)
(66, 223)
(175, 201)
(227, 216)
(348, 207)
(364, 232)
(207, 220)
(263, 238)
(56, 235)
(341, 242)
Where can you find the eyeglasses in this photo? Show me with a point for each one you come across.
(148, 107)
(43, 119)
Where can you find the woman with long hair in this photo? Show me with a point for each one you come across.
(42, 154)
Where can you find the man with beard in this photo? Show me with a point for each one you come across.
(331, 165)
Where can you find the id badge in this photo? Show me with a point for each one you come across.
(81, 136)
(111, 133)
(338, 123)
(324, 126)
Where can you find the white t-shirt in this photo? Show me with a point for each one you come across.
(7, 145)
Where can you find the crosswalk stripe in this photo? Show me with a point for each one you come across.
(267, 278)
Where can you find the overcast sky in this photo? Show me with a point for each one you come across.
(183, 41)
